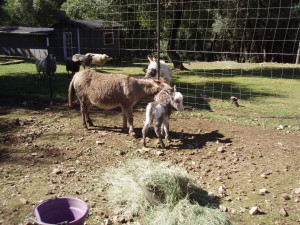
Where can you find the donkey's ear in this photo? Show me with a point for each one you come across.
(149, 57)
(156, 81)
(174, 88)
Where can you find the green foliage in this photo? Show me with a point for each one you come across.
(222, 27)
(92, 9)
(40, 13)
(296, 10)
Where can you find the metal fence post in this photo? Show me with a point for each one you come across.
(158, 38)
(48, 73)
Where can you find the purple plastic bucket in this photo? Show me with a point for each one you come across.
(63, 210)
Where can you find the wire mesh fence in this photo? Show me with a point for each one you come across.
(216, 48)
(235, 39)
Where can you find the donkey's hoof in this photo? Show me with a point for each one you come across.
(160, 145)
(125, 129)
(133, 134)
(91, 124)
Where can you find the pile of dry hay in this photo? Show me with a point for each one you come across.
(157, 193)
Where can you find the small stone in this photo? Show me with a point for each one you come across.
(223, 208)
(34, 154)
(222, 191)
(189, 168)
(24, 201)
(70, 172)
(283, 212)
(243, 210)
(221, 149)
(143, 150)
(255, 210)
(99, 142)
(211, 194)
(160, 153)
(56, 171)
(121, 153)
(233, 211)
(285, 197)
(229, 199)
(297, 191)
(263, 191)
(122, 220)
(264, 175)
(280, 127)
(107, 222)
(219, 179)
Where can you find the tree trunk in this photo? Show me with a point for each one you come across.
(173, 36)
(264, 55)
(298, 55)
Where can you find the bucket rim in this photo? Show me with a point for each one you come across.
(37, 216)
(54, 198)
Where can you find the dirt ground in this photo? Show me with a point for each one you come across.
(46, 153)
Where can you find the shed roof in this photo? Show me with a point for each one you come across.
(25, 30)
(98, 23)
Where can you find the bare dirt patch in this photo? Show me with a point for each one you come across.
(47, 153)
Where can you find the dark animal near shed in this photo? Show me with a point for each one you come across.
(72, 67)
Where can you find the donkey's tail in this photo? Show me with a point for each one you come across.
(70, 93)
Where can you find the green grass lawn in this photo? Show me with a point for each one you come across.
(268, 92)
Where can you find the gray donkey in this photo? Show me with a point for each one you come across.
(160, 110)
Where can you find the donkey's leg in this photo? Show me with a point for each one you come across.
(88, 118)
(130, 121)
(83, 112)
(144, 131)
(157, 129)
(129, 117)
(166, 127)
(124, 119)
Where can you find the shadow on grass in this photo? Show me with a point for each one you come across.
(258, 72)
(202, 197)
(24, 85)
(32, 86)
(186, 141)
(218, 90)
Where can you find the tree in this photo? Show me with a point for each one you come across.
(32, 12)
(142, 13)
(242, 30)
(92, 9)
(178, 8)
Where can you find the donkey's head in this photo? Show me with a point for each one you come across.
(152, 67)
(177, 100)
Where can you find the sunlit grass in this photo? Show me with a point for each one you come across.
(264, 90)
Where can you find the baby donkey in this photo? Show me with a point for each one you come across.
(160, 110)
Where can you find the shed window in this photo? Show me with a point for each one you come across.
(108, 38)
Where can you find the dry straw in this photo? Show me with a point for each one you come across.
(157, 193)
